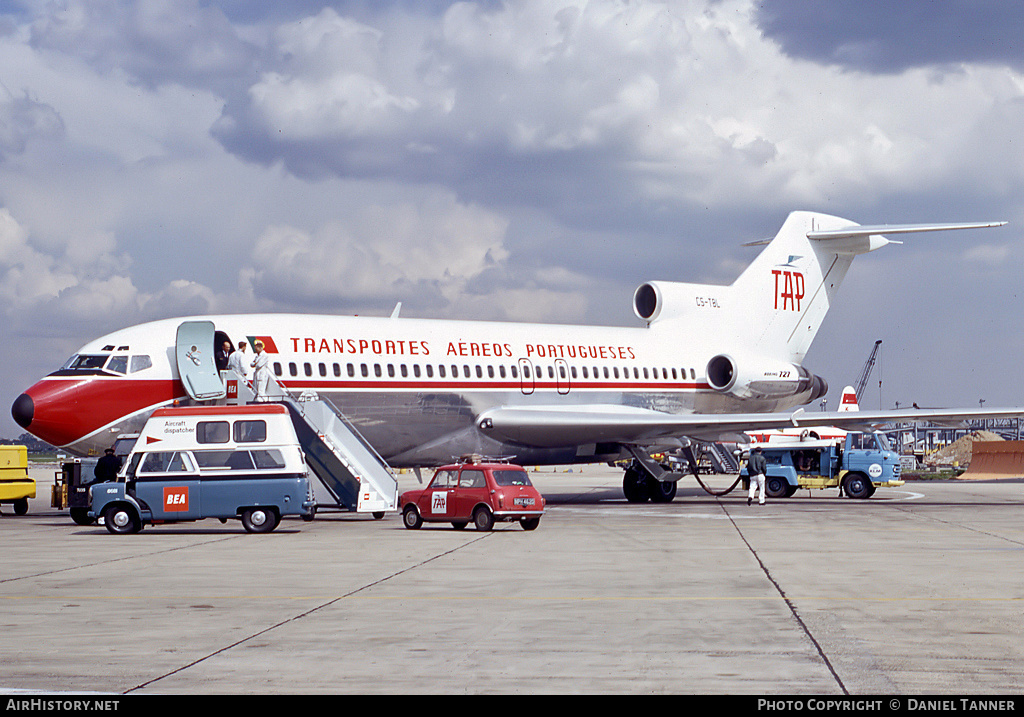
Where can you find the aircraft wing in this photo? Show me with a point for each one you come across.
(551, 426)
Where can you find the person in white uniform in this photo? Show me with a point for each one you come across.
(261, 375)
(237, 361)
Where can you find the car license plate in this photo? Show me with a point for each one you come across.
(524, 501)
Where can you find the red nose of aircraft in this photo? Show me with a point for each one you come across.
(48, 411)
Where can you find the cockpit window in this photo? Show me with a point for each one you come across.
(86, 362)
(118, 364)
(140, 363)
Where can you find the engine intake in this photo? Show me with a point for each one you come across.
(763, 379)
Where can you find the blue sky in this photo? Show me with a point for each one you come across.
(530, 160)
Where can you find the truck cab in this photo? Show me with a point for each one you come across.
(241, 462)
(858, 465)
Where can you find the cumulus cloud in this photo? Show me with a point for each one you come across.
(433, 247)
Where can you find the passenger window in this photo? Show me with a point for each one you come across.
(212, 432)
(140, 363)
(405, 371)
(472, 479)
(277, 368)
(351, 371)
(430, 371)
(307, 368)
(293, 369)
(376, 370)
(250, 431)
(391, 370)
(268, 459)
(118, 364)
(337, 370)
(364, 370)
(479, 371)
(323, 369)
(501, 370)
(416, 370)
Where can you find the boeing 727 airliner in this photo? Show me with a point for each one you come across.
(709, 363)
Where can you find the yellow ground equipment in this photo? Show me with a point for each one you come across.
(15, 485)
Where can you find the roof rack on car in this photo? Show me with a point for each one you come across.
(477, 458)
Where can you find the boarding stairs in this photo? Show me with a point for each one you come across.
(722, 460)
(350, 473)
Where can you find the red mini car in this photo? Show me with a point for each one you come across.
(481, 493)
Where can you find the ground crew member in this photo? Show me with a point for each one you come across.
(107, 467)
(757, 468)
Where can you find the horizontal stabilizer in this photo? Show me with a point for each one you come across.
(863, 231)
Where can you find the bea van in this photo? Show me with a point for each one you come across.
(196, 462)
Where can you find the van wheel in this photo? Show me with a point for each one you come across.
(483, 519)
(121, 520)
(259, 520)
(411, 518)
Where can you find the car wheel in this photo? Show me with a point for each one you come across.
(411, 517)
(459, 525)
(529, 523)
(483, 519)
(121, 520)
(259, 520)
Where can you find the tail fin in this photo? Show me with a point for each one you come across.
(790, 286)
(849, 400)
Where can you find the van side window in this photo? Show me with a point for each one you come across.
(220, 460)
(162, 462)
(212, 432)
(250, 431)
(268, 459)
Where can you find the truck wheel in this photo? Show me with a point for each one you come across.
(121, 520)
(411, 518)
(858, 486)
(80, 516)
(776, 487)
(483, 519)
(259, 520)
(21, 506)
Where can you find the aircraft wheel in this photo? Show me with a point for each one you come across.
(21, 506)
(634, 487)
(662, 491)
(858, 486)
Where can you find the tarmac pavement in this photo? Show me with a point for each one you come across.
(915, 591)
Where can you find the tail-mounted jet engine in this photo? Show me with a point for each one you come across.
(763, 378)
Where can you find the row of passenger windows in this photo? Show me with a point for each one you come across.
(182, 462)
(477, 371)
